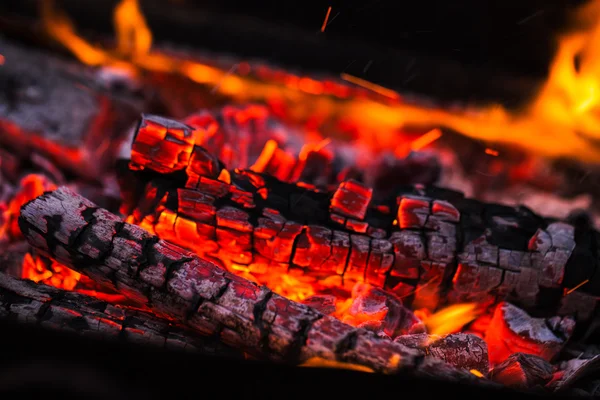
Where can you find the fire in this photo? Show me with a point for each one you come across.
(30, 187)
(562, 120)
(49, 272)
(450, 319)
(318, 362)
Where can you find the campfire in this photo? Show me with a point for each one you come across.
(317, 221)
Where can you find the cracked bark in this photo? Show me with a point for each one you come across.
(37, 304)
(201, 295)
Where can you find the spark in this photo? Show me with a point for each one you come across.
(323, 143)
(371, 86)
(326, 18)
(576, 287)
(426, 139)
(492, 152)
(476, 373)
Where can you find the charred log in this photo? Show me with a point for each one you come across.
(177, 284)
(45, 306)
(512, 330)
(523, 371)
(462, 350)
(54, 101)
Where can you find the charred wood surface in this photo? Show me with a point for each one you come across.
(177, 284)
(61, 109)
(428, 245)
(45, 306)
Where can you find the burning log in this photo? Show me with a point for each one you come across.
(512, 330)
(571, 371)
(463, 351)
(428, 245)
(522, 371)
(51, 308)
(177, 284)
(61, 109)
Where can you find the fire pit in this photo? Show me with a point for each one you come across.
(192, 202)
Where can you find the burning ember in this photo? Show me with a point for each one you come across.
(303, 221)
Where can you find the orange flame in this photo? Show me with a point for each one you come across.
(318, 362)
(561, 121)
(30, 187)
(450, 319)
(54, 274)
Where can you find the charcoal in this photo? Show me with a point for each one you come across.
(522, 371)
(570, 372)
(433, 248)
(512, 330)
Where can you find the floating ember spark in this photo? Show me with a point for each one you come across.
(491, 152)
(576, 287)
(371, 86)
(326, 19)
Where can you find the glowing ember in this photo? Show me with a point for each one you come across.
(326, 19)
(30, 187)
(317, 362)
(49, 272)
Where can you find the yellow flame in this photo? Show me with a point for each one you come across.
(318, 362)
(133, 35)
(562, 120)
(451, 319)
(476, 373)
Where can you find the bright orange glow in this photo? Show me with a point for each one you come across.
(492, 152)
(30, 187)
(318, 362)
(451, 319)
(54, 274)
(224, 176)
(371, 86)
(476, 373)
(60, 27)
(265, 156)
(326, 19)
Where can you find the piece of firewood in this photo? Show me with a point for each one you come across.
(523, 371)
(512, 330)
(428, 245)
(462, 350)
(177, 284)
(27, 302)
(61, 109)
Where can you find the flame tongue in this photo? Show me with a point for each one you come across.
(561, 121)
